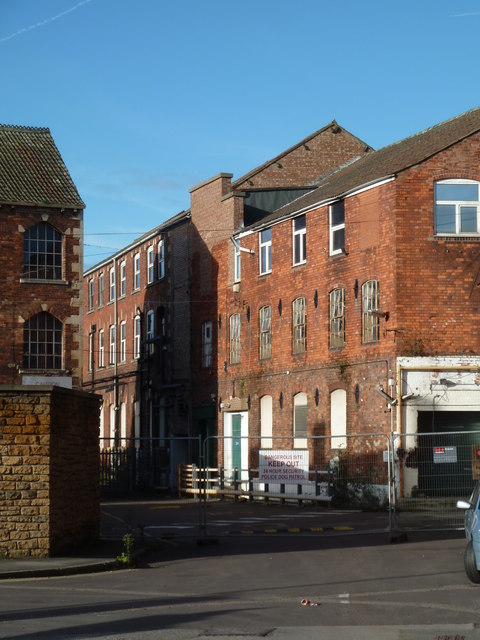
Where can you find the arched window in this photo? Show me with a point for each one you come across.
(42, 342)
(42, 253)
(338, 419)
(300, 415)
(266, 421)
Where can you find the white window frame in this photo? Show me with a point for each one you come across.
(150, 333)
(150, 265)
(299, 325)
(136, 272)
(265, 250)
(112, 344)
(91, 294)
(458, 206)
(265, 322)
(137, 330)
(207, 344)
(123, 341)
(101, 290)
(337, 318)
(235, 342)
(335, 229)
(370, 304)
(112, 284)
(101, 348)
(237, 268)
(161, 260)
(299, 242)
(123, 279)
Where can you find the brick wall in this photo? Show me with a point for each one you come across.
(49, 474)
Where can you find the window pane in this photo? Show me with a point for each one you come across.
(299, 223)
(338, 240)
(338, 213)
(266, 235)
(468, 219)
(459, 192)
(445, 218)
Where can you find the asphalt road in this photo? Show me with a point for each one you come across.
(252, 582)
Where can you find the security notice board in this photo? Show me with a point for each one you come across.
(283, 466)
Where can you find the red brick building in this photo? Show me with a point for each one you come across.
(367, 283)
(41, 261)
(220, 209)
(138, 326)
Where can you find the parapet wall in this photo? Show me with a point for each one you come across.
(49, 470)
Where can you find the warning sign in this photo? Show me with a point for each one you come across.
(282, 466)
(444, 454)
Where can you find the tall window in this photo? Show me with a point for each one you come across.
(238, 262)
(113, 345)
(136, 271)
(457, 207)
(91, 346)
(235, 338)
(101, 290)
(299, 325)
(207, 344)
(299, 240)
(337, 227)
(123, 341)
(370, 319)
(91, 294)
(123, 278)
(337, 318)
(300, 415)
(42, 342)
(265, 251)
(150, 265)
(42, 253)
(136, 336)
(112, 284)
(161, 259)
(338, 419)
(101, 348)
(266, 422)
(265, 318)
(150, 331)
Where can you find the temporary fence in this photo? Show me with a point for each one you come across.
(432, 472)
(144, 464)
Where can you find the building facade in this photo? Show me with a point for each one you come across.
(41, 261)
(353, 310)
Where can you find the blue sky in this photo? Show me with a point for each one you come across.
(146, 98)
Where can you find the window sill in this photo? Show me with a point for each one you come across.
(299, 264)
(63, 283)
(455, 238)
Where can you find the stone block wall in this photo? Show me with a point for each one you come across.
(49, 470)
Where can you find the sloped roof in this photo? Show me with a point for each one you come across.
(32, 171)
(385, 162)
(253, 172)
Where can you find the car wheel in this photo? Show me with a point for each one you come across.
(471, 570)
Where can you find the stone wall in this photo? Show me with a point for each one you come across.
(49, 470)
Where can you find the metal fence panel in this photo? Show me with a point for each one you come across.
(145, 464)
(433, 471)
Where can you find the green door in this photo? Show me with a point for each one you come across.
(237, 441)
